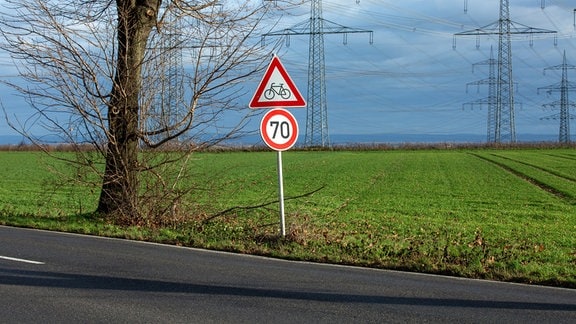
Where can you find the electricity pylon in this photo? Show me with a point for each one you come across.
(505, 128)
(164, 81)
(491, 100)
(316, 27)
(563, 87)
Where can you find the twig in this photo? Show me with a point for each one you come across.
(231, 209)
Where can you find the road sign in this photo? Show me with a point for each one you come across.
(276, 89)
(279, 129)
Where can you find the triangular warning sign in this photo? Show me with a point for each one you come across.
(276, 89)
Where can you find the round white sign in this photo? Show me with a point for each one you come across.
(279, 129)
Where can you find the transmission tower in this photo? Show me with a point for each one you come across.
(491, 100)
(164, 80)
(563, 87)
(316, 27)
(505, 129)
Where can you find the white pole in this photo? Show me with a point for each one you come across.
(281, 195)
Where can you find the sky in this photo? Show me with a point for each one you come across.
(412, 79)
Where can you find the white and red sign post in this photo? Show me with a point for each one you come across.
(278, 128)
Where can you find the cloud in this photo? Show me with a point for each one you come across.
(412, 80)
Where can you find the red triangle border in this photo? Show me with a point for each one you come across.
(276, 64)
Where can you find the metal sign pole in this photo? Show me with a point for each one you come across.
(278, 121)
(281, 195)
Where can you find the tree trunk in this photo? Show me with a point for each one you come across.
(119, 194)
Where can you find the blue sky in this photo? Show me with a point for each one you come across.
(411, 80)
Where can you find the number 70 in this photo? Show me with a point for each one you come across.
(281, 128)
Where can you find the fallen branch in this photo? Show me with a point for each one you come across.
(235, 208)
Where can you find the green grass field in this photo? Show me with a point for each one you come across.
(486, 213)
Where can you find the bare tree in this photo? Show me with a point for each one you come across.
(105, 74)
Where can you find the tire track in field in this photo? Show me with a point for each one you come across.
(537, 167)
(566, 156)
(542, 185)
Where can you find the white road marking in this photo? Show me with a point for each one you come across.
(20, 260)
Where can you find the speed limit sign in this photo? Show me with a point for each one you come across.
(279, 129)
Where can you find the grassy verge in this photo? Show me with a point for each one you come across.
(493, 214)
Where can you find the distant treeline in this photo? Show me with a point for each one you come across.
(262, 147)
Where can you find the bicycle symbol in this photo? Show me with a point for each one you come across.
(274, 90)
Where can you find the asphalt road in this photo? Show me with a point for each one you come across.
(61, 278)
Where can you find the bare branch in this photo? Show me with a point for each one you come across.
(169, 73)
(235, 208)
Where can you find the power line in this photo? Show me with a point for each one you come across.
(505, 126)
(563, 87)
(316, 27)
(491, 101)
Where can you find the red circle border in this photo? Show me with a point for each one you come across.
(293, 123)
